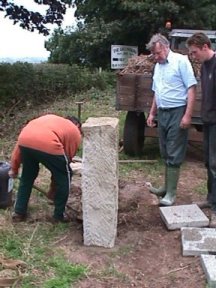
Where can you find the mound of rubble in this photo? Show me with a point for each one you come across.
(144, 64)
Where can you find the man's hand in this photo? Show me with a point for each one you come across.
(150, 121)
(12, 174)
(185, 122)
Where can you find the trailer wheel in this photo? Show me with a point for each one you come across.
(134, 133)
(199, 128)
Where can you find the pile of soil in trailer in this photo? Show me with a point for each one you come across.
(144, 64)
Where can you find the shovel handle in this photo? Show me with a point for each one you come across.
(37, 188)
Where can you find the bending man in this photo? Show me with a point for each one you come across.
(52, 141)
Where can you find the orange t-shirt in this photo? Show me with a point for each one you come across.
(50, 134)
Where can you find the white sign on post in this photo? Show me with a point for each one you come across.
(120, 55)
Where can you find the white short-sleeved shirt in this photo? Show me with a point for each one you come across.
(171, 81)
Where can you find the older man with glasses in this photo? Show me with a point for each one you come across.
(174, 85)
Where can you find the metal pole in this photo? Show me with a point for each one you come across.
(79, 104)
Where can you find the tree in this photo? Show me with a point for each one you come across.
(85, 45)
(34, 20)
(182, 13)
(125, 22)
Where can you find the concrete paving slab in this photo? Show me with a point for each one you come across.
(179, 216)
(197, 241)
(209, 266)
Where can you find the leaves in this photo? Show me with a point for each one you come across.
(103, 23)
(34, 20)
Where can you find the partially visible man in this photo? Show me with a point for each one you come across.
(200, 48)
(52, 141)
(174, 96)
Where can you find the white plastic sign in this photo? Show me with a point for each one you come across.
(120, 55)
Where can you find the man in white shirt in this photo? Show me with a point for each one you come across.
(174, 96)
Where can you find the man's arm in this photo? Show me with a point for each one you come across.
(186, 119)
(15, 162)
(150, 120)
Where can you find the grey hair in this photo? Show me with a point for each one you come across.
(157, 38)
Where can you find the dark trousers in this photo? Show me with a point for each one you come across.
(173, 139)
(61, 172)
(209, 133)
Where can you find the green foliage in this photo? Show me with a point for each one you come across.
(32, 244)
(127, 22)
(202, 188)
(111, 271)
(89, 45)
(34, 20)
(15, 82)
(25, 84)
(11, 244)
(65, 273)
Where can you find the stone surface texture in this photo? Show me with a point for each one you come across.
(179, 216)
(100, 181)
(209, 266)
(197, 241)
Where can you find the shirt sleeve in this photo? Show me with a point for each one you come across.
(16, 159)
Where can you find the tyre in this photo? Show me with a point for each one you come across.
(134, 133)
(199, 128)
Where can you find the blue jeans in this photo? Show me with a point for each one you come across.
(209, 133)
(172, 138)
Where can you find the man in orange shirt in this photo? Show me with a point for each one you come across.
(52, 141)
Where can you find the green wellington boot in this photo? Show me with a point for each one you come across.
(172, 181)
(161, 191)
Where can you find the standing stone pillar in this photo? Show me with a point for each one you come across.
(100, 181)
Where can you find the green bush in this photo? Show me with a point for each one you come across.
(15, 82)
(23, 84)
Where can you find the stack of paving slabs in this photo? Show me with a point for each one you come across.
(201, 242)
(195, 237)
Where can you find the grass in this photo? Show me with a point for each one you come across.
(201, 188)
(122, 251)
(65, 273)
(46, 266)
(112, 272)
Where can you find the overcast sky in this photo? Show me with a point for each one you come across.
(17, 42)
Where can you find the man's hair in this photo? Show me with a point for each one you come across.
(74, 120)
(157, 38)
(199, 39)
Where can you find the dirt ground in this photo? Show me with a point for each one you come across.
(146, 254)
